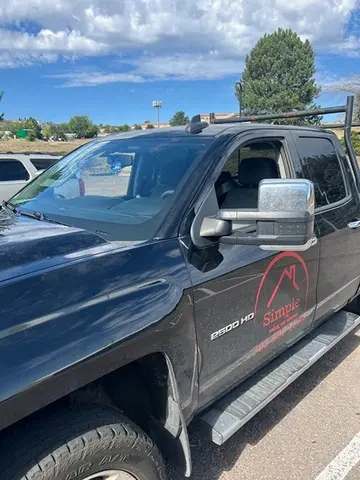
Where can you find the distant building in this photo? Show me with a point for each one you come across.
(70, 136)
(161, 125)
(204, 117)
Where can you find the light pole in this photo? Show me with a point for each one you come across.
(240, 87)
(157, 104)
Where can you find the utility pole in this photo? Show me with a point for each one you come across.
(157, 104)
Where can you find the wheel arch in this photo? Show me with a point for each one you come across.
(144, 389)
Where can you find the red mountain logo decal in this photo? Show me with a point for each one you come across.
(281, 298)
(290, 273)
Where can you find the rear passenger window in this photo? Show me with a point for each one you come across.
(42, 163)
(321, 165)
(12, 170)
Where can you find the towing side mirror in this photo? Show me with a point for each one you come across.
(284, 219)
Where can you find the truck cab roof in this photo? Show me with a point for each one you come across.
(212, 130)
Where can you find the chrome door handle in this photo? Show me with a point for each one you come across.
(313, 241)
(354, 225)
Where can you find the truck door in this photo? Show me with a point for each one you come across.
(249, 304)
(324, 162)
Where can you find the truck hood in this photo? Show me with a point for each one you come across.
(28, 245)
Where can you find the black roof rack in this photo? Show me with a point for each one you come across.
(278, 116)
(196, 126)
(338, 125)
(347, 109)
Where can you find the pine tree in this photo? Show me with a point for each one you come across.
(279, 77)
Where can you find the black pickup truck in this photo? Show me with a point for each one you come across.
(197, 272)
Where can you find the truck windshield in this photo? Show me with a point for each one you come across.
(121, 189)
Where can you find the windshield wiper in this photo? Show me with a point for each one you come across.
(15, 210)
(37, 215)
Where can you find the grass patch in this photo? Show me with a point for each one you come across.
(39, 146)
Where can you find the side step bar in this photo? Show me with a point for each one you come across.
(231, 412)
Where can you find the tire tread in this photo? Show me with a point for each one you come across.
(71, 435)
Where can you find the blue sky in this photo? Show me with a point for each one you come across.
(110, 59)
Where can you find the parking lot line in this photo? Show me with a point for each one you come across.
(341, 465)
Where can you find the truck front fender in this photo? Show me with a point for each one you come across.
(69, 325)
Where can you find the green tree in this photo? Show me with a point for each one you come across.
(46, 132)
(147, 121)
(92, 131)
(137, 127)
(16, 126)
(31, 136)
(55, 131)
(116, 129)
(179, 118)
(279, 77)
(35, 126)
(149, 125)
(83, 127)
(12, 127)
(123, 128)
(61, 129)
(109, 129)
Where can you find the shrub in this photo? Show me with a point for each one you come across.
(355, 140)
(31, 136)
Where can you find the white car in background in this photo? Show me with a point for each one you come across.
(18, 169)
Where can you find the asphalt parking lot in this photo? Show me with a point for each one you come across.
(307, 433)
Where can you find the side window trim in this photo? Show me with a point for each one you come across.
(348, 197)
(202, 198)
(342, 168)
(334, 205)
(280, 137)
(348, 168)
(241, 139)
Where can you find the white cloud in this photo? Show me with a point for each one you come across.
(187, 66)
(8, 60)
(72, 42)
(327, 80)
(91, 79)
(150, 68)
(178, 34)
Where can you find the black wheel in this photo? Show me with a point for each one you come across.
(80, 443)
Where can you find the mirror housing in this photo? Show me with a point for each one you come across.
(284, 219)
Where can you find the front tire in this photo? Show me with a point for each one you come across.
(80, 443)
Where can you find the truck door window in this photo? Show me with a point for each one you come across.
(238, 183)
(321, 165)
(12, 170)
